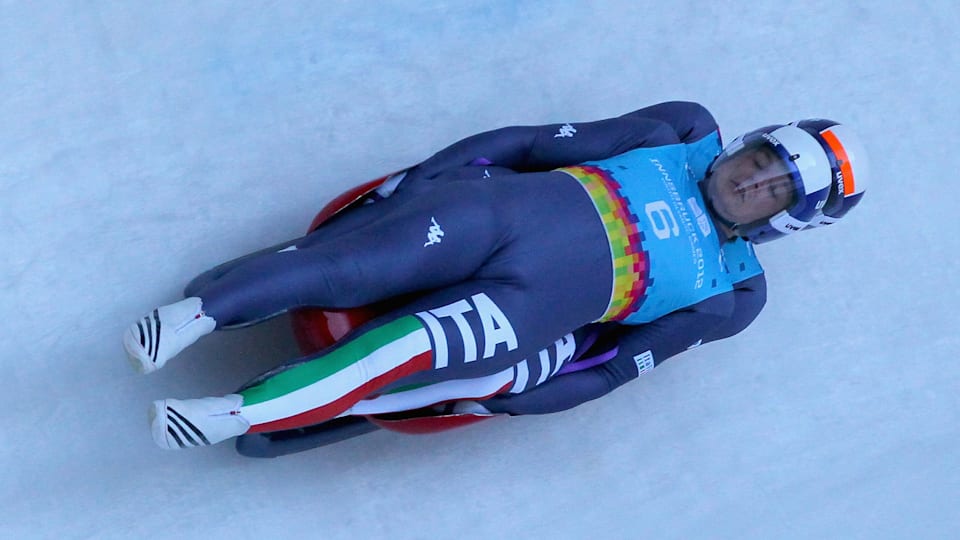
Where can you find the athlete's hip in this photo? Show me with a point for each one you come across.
(554, 244)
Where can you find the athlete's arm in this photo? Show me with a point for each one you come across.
(690, 121)
(749, 296)
(640, 348)
(541, 148)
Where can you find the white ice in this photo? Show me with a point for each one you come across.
(143, 142)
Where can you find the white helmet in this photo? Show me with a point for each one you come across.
(816, 160)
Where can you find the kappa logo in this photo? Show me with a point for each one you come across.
(434, 233)
(566, 130)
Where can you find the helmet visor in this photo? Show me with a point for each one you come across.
(751, 181)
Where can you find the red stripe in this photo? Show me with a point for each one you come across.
(500, 391)
(326, 412)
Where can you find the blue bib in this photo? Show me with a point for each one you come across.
(666, 253)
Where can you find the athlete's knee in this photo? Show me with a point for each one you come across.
(333, 278)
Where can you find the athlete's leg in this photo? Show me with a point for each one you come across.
(459, 332)
(362, 213)
(214, 273)
(430, 242)
(354, 215)
(419, 390)
(470, 330)
(437, 239)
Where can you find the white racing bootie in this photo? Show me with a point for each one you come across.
(163, 333)
(186, 423)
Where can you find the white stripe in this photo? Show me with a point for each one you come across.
(439, 339)
(434, 393)
(520, 382)
(341, 383)
(389, 185)
(544, 366)
(786, 223)
(566, 348)
(556, 366)
(811, 159)
(455, 311)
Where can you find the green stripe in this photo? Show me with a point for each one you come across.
(408, 388)
(325, 365)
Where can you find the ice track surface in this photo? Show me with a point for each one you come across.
(145, 142)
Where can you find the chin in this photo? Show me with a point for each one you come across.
(724, 211)
(726, 214)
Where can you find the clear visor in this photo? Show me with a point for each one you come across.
(751, 181)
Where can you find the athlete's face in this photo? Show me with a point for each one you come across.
(750, 185)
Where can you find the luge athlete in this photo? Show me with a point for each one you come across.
(514, 242)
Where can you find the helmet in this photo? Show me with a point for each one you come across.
(845, 153)
(794, 167)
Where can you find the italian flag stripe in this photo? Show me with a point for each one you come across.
(331, 410)
(374, 359)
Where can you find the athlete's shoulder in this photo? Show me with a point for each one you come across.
(691, 120)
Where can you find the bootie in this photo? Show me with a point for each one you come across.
(162, 334)
(186, 423)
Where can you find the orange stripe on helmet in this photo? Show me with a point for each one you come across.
(845, 167)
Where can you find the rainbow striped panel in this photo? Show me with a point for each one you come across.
(631, 269)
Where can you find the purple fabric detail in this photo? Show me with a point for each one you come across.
(590, 362)
(481, 161)
(585, 345)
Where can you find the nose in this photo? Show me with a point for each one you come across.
(755, 186)
(750, 183)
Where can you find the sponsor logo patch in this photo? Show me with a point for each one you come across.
(644, 362)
